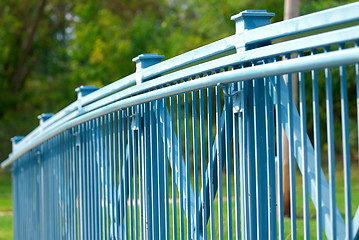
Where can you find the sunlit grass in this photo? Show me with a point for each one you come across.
(6, 232)
(6, 227)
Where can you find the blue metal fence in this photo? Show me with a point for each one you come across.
(190, 148)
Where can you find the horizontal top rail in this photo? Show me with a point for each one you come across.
(125, 88)
(331, 59)
(306, 23)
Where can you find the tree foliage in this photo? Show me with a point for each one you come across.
(49, 47)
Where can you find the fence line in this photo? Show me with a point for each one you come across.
(179, 151)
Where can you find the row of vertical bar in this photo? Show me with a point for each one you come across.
(68, 187)
(109, 178)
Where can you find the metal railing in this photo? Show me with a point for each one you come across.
(178, 151)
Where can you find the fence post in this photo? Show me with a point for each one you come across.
(255, 160)
(148, 165)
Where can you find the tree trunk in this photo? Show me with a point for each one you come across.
(291, 10)
(22, 69)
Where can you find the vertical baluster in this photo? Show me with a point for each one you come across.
(110, 173)
(317, 148)
(160, 163)
(124, 169)
(66, 185)
(174, 174)
(195, 163)
(71, 188)
(57, 189)
(107, 174)
(331, 148)
(134, 165)
(46, 193)
(77, 189)
(61, 184)
(84, 175)
(115, 174)
(210, 167)
(140, 172)
(180, 174)
(249, 158)
(51, 193)
(41, 191)
(165, 162)
(244, 166)
(103, 194)
(291, 160)
(52, 190)
(188, 162)
(130, 158)
(147, 166)
(237, 174)
(203, 163)
(120, 176)
(93, 176)
(90, 182)
(97, 181)
(219, 161)
(278, 107)
(154, 173)
(228, 137)
(81, 155)
(99, 176)
(29, 192)
(268, 91)
(346, 151)
(303, 136)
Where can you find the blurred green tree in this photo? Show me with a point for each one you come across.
(49, 47)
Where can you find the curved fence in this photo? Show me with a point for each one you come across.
(190, 147)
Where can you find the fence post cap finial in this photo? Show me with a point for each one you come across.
(145, 60)
(84, 90)
(44, 117)
(15, 140)
(250, 19)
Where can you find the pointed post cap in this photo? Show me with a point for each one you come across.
(250, 19)
(15, 140)
(84, 90)
(44, 117)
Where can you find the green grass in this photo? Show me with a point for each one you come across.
(6, 227)
(5, 206)
(5, 191)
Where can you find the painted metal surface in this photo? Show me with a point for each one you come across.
(176, 152)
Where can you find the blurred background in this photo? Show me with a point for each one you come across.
(50, 47)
